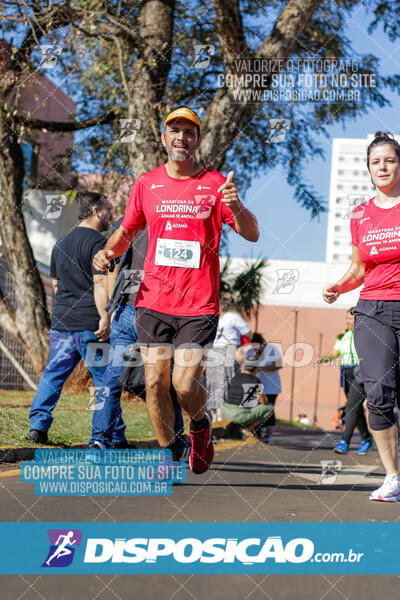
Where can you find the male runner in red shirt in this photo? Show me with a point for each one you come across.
(184, 206)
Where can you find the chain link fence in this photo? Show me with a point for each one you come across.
(10, 379)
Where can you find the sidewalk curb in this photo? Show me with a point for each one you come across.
(14, 454)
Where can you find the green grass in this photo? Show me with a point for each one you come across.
(72, 420)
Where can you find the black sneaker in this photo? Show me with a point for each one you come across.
(37, 436)
(121, 445)
(182, 454)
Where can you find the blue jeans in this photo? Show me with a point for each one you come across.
(107, 425)
(66, 350)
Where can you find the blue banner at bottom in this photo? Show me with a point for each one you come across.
(148, 548)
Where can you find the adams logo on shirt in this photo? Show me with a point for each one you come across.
(373, 251)
(170, 226)
(63, 543)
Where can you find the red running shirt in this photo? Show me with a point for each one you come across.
(376, 233)
(184, 219)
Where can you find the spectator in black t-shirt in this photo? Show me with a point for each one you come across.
(79, 319)
(247, 405)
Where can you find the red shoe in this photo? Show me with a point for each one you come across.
(202, 450)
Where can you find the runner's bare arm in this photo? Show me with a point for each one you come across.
(273, 367)
(101, 298)
(245, 222)
(54, 283)
(328, 357)
(351, 280)
(117, 244)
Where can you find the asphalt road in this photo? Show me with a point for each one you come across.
(248, 482)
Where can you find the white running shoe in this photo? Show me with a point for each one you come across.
(389, 490)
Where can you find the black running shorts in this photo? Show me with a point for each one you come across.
(157, 328)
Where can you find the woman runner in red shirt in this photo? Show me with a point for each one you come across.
(375, 232)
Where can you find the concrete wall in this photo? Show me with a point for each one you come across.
(276, 323)
(48, 216)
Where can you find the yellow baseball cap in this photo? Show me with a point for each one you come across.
(183, 112)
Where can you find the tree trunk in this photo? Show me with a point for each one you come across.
(27, 321)
(224, 115)
(146, 87)
(257, 316)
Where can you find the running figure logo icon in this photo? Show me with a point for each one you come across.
(133, 279)
(329, 471)
(204, 204)
(250, 399)
(50, 54)
(286, 280)
(97, 397)
(278, 130)
(356, 206)
(129, 129)
(62, 547)
(202, 55)
(54, 205)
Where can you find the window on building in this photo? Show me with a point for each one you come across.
(336, 243)
(30, 153)
(337, 228)
(335, 256)
(355, 172)
(356, 159)
(339, 187)
(340, 172)
(354, 187)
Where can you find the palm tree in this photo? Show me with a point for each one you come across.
(244, 288)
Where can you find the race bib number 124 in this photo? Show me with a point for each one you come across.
(178, 253)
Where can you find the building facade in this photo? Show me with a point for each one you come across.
(350, 185)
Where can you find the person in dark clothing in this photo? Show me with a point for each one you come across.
(79, 320)
(353, 388)
(108, 427)
(247, 405)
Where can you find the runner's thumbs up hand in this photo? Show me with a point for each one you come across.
(101, 261)
(229, 193)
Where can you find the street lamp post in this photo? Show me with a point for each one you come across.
(296, 312)
(317, 383)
